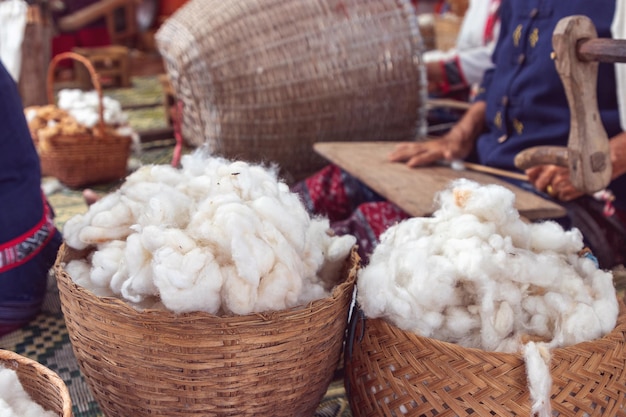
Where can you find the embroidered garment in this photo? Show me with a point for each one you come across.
(351, 206)
(23, 248)
(28, 239)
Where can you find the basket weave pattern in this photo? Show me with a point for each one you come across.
(262, 80)
(393, 372)
(83, 158)
(157, 363)
(44, 386)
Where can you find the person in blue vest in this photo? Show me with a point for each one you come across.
(29, 240)
(521, 103)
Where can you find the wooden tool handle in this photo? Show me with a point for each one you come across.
(542, 155)
(602, 50)
(588, 145)
(495, 171)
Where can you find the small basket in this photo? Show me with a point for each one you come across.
(394, 372)
(446, 30)
(44, 386)
(157, 363)
(83, 159)
(263, 80)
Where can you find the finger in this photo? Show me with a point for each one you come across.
(568, 193)
(533, 173)
(565, 190)
(548, 175)
(404, 153)
(543, 180)
(423, 158)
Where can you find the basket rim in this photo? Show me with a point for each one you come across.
(95, 79)
(13, 360)
(338, 290)
(616, 335)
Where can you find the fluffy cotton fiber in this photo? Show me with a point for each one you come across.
(478, 275)
(15, 401)
(84, 107)
(216, 235)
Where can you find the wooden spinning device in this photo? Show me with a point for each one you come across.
(577, 52)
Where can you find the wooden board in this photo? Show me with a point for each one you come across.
(414, 189)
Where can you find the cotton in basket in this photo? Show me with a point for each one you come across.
(145, 351)
(476, 312)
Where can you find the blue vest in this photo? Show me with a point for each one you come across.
(21, 205)
(526, 102)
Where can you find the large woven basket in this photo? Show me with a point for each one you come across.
(156, 363)
(393, 372)
(262, 80)
(44, 386)
(83, 159)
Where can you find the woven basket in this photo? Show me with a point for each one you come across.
(44, 386)
(156, 363)
(394, 372)
(446, 29)
(263, 80)
(83, 159)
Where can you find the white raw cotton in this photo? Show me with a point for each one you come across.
(84, 107)
(476, 274)
(15, 401)
(221, 236)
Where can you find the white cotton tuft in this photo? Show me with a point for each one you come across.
(15, 401)
(188, 281)
(105, 262)
(537, 361)
(550, 236)
(475, 272)
(221, 236)
(79, 270)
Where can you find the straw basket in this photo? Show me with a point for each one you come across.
(83, 159)
(262, 80)
(394, 372)
(44, 386)
(156, 363)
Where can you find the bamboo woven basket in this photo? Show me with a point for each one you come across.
(84, 158)
(44, 386)
(393, 372)
(263, 80)
(156, 363)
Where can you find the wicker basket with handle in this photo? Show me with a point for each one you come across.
(157, 363)
(43, 385)
(262, 80)
(394, 372)
(83, 158)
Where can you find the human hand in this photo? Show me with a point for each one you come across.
(554, 180)
(456, 144)
(453, 145)
(419, 153)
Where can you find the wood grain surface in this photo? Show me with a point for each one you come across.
(414, 189)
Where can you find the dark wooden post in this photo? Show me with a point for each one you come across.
(36, 50)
